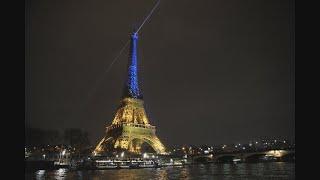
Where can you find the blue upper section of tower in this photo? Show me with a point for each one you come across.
(132, 87)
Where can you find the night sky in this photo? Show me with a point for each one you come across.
(211, 71)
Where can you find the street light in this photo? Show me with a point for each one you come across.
(122, 154)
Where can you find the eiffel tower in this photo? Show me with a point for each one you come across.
(130, 128)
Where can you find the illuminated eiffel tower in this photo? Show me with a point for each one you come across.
(130, 128)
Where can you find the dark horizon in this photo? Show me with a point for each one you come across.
(211, 72)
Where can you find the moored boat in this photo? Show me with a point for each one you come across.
(105, 164)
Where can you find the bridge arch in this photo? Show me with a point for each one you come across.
(202, 159)
(255, 157)
(225, 158)
(289, 156)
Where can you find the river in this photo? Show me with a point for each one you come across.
(243, 171)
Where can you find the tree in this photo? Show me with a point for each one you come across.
(76, 138)
(34, 137)
(40, 137)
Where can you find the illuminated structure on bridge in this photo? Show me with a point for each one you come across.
(130, 128)
(245, 156)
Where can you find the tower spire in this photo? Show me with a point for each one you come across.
(132, 86)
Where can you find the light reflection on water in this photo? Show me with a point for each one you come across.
(247, 171)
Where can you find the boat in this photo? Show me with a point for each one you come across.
(106, 164)
(125, 164)
(148, 164)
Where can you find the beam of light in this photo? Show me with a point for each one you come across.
(121, 51)
(108, 69)
(155, 6)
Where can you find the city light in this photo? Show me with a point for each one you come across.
(129, 147)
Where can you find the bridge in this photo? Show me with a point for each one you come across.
(244, 156)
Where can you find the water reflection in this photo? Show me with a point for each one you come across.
(40, 174)
(208, 171)
(184, 173)
(79, 175)
(60, 174)
(161, 174)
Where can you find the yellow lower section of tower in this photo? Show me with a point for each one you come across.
(129, 130)
(130, 137)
